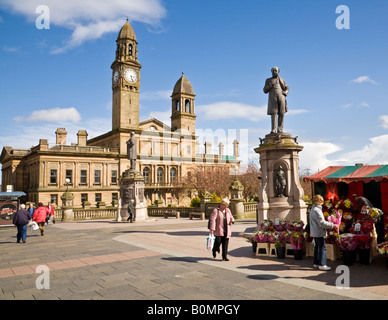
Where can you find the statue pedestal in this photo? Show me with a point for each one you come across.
(132, 187)
(280, 151)
(67, 206)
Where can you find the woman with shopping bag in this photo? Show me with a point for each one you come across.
(40, 215)
(221, 220)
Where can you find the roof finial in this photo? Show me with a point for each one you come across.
(183, 73)
(127, 19)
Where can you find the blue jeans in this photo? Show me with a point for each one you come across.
(320, 251)
(22, 233)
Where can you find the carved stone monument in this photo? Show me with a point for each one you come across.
(280, 194)
(132, 187)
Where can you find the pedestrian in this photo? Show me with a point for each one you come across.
(50, 213)
(318, 226)
(20, 220)
(221, 220)
(40, 215)
(31, 209)
(131, 210)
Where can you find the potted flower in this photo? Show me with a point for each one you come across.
(297, 240)
(348, 244)
(382, 248)
(363, 244)
(280, 244)
(254, 243)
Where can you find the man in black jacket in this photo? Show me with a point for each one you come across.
(20, 220)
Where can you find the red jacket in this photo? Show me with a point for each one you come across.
(217, 222)
(40, 214)
(52, 213)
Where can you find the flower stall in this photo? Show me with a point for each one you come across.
(336, 183)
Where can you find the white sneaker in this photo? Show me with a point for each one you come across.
(324, 268)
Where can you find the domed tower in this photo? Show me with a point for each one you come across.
(125, 81)
(183, 108)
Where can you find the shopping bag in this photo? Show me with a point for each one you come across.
(29, 224)
(34, 226)
(210, 241)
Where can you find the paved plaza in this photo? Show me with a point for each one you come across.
(165, 259)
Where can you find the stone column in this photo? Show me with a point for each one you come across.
(67, 206)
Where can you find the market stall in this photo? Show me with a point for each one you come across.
(341, 182)
(9, 204)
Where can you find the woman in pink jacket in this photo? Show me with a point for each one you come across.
(221, 220)
(40, 215)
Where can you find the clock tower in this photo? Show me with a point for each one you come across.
(125, 81)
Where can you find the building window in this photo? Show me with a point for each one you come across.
(84, 197)
(54, 199)
(97, 197)
(130, 50)
(113, 178)
(187, 105)
(97, 176)
(115, 196)
(159, 175)
(53, 176)
(69, 175)
(84, 174)
(172, 175)
(146, 175)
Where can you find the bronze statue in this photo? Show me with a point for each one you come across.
(277, 103)
(132, 150)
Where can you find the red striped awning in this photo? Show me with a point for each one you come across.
(350, 174)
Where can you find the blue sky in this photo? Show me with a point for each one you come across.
(61, 77)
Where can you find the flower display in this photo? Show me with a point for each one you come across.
(297, 240)
(363, 241)
(266, 225)
(348, 203)
(371, 213)
(382, 248)
(347, 242)
(261, 236)
(297, 225)
(362, 227)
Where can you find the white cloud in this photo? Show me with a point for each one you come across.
(363, 79)
(90, 19)
(314, 155)
(376, 152)
(384, 121)
(52, 115)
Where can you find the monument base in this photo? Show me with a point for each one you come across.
(280, 151)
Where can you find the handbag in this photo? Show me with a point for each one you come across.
(34, 226)
(210, 241)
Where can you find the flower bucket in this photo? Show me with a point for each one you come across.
(364, 255)
(254, 246)
(281, 252)
(349, 257)
(298, 254)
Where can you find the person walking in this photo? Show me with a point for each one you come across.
(40, 215)
(20, 220)
(31, 209)
(131, 210)
(318, 226)
(50, 213)
(221, 220)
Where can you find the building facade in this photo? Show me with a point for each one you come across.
(91, 168)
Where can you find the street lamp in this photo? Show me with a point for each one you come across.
(67, 184)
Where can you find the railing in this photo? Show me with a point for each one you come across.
(89, 214)
(159, 211)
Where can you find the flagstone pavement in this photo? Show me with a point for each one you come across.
(166, 259)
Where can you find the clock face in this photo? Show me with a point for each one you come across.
(116, 76)
(130, 75)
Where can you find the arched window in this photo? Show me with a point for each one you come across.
(129, 49)
(176, 105)
(159, 175)
(187, 105)
(146, 175)
(172, 175)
